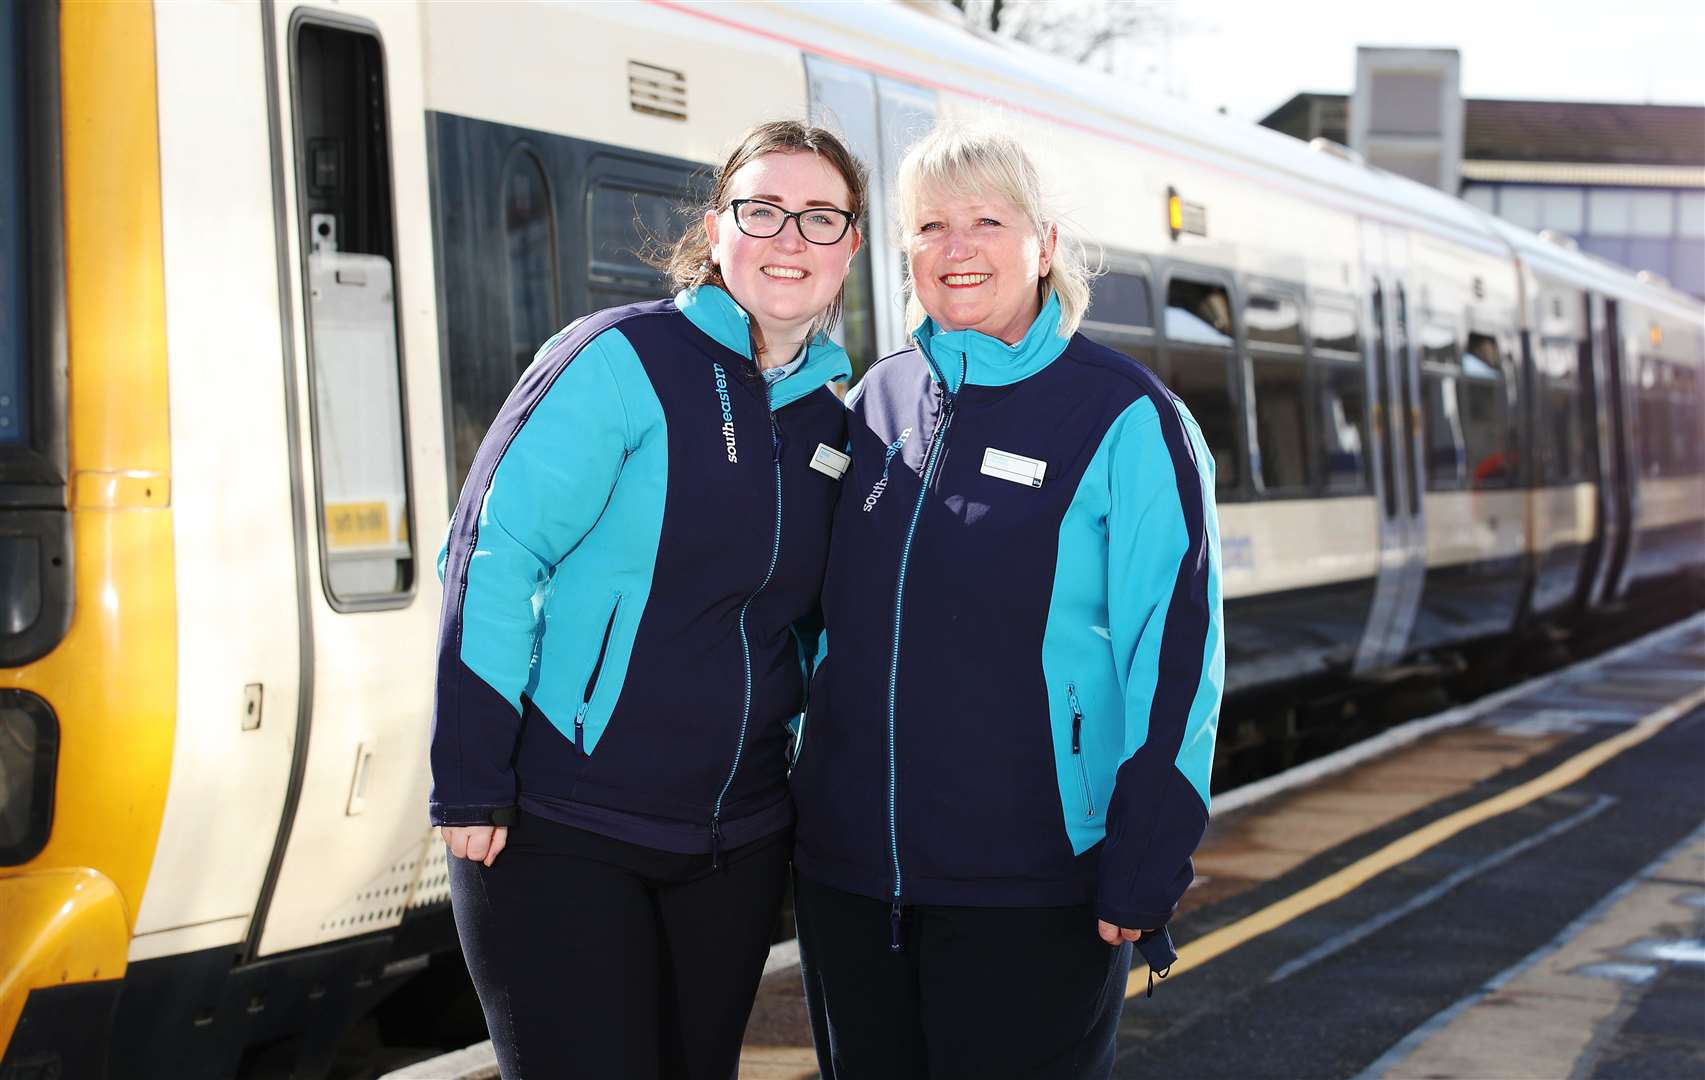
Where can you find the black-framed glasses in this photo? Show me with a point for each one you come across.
(819, 225)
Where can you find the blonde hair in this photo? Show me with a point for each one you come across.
(969, 160)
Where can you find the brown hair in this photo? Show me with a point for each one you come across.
(687, 262)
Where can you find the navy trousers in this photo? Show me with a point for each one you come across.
(596, 958)
(982, 993)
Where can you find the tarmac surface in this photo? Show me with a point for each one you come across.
(1519, 893)
(1514, 889)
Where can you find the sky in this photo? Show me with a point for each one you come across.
(1250, 57)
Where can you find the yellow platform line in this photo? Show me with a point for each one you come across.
(1358, 873)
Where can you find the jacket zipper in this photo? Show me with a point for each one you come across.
(592, 679)
(1077, 750)
(745, 642)
(936, 442)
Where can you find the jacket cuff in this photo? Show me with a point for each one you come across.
(1134, 918)
(1157, 950)
(450, 814)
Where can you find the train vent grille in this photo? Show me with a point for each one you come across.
(412, 879)
(657, 91)
(432, 885)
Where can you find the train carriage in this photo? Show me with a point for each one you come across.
(268, 270)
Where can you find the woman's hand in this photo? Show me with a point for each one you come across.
(481, 843)
(1111, 934)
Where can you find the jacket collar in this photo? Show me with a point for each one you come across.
(715, 313)
(988, 361)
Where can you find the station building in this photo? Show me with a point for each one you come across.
(1623, 182)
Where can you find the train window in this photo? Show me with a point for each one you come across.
(1651, 400)
(1333, 329)
(15, 389)
(1685, 421)
(1198, 313)
(529, 231)
(1281, 422)
(1558, 440)
(1121, 299)
(1198, 321)
(1483, 403)
(1669, 418)
(1203, 381)
(1441, 369)
(1343, 423)
(622, 219)
(1272, 321)
(857, 329)
(354, 363)
(1121, 315)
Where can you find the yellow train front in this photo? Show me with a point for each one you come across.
(268, 270)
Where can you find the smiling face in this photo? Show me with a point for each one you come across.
(976, 263)
(782, 281)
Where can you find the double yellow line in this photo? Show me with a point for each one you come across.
(1358, 873)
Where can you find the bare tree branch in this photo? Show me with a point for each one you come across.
(1108, 34)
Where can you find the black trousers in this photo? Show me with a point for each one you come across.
(597, 958)
(973, 992)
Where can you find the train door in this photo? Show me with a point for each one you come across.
(1393, 390)
(1619, 481)
(351, 204)
(880, 118)
(1597, 427)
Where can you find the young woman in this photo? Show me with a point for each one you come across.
(1005, 766)
(642, 527)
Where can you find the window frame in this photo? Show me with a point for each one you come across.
(1135, 266)
(609, 168)
(34, 471)
(523, 151)
(1544, 445)
(1236, 368)
(1429, 369)
(301, 19)
(1321, 361)
(1255, 353)
(1514, 438)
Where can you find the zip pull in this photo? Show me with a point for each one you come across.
(716, 843)
(1077, 719)
(894, 926)
(580, 727)
(1163, 975)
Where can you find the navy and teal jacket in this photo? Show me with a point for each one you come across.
(638, 536)
(1021, 679)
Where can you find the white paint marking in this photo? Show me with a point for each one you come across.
(1628, 973)
(1334, 945)
(1670, 952)
(1413, 1041)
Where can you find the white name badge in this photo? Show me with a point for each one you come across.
(830, 462)
(1015, 467)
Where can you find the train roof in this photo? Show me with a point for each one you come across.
(927, 44)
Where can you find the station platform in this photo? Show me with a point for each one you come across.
(1511, 889)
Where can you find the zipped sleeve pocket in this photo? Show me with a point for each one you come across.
(1077, 750)
(592, 679)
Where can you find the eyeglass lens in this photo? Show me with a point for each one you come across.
(762, 219)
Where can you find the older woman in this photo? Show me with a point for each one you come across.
(1004, 769)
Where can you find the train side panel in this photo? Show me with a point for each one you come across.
(235, 552)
